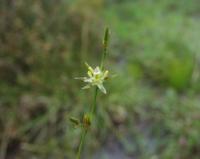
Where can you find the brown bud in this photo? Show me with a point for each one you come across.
(86, 121)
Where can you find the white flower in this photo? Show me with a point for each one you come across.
(96, 77)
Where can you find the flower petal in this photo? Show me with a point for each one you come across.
(105, 75)
(89, 74)
(80, 78)
(88, 80)
(101, 87)
(86, 87)
(97, 71)
(89, 67)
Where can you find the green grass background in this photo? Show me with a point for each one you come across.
(152, 109)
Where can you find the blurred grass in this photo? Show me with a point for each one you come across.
(152, 109)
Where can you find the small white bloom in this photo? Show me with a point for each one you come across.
(96, 77)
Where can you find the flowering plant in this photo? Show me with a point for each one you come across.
(95, 78)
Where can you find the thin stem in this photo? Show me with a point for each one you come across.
(95, 101)
(93, 107)
(85, 130)
(83, 136)
(103, 58)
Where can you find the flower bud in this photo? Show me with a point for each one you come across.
(106, 38)
(86, 121)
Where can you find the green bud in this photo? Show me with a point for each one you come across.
(106, 38)
(75, 121)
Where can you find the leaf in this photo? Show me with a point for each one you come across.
(74, 120)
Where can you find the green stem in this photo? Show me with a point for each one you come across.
(85, 130)
(95, 101)
(93, 107)
(103, 58)
(83, 136)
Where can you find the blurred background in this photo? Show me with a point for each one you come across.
(152, 109)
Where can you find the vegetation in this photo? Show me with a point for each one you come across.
(152, 107)
(96, 78)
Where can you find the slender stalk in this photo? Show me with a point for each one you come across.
(93, 107)
(85, 130)
(83, 136)
(95, 101)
